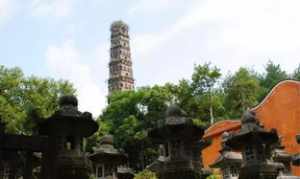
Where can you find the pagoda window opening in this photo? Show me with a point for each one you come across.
(70, 143)
(100, 172)
(167, 150)
(234, 171)
(5, 171)
(109, 170)
(260, 152)
(249, 154)
(226, 173)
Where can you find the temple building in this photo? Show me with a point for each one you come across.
(120, 65)
(279, 110)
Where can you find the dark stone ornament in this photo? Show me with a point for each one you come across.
(255, 144)
(109, 161)
(229, 161)
(281, 156)
(65, 129)
(183, 142)
(296, 158)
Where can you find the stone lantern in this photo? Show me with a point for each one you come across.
(66, 128)
(296, 158)
(9, 163)
(182, 140)
(107, 159)
(255, 144)
(281, 156)
(228, 161)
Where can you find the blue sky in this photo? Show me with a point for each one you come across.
(69, 39)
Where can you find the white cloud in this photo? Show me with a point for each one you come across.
(56, 8)
(154, 6)
(66, 62)
(7, 9)
(148, 6)
(230, 33)
(144, 43)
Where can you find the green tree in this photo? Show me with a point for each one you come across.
(145, 174)
(272, 76)
(296, 73)
(205, 91)
(213, 177)
(25, 99)
(130, 114)
(241, 91)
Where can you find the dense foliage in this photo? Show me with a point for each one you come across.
(145, 174)
(23, 100)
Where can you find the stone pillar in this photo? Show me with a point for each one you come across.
(28, 166)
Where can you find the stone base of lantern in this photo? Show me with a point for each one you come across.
(259, 171)
(182, 169)
(74, 167)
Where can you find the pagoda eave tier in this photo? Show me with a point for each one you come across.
(81, 125)
(123, 78)
(117, 158)
(235, 159)
(237, 141)
(118, 61)
(296, 160)
(186, 131)
(258, 169)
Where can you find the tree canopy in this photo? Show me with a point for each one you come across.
(22, 98)
(241, 91)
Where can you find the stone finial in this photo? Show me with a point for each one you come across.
(175, 115)
(107, 139)
(68, 100)
(225, 136)
(175, 110)
(249, 117)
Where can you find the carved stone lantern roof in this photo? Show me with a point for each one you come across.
(279, 154)
(175, 116)
(296, 160)
(251, 130)
(227, 156)
(105, 152)
(226, 159)
(177, 125)
(68, 120)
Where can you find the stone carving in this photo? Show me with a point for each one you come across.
(109, 161)
(255, 144)
(65, 130)
(228, 161)
(183, 142)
